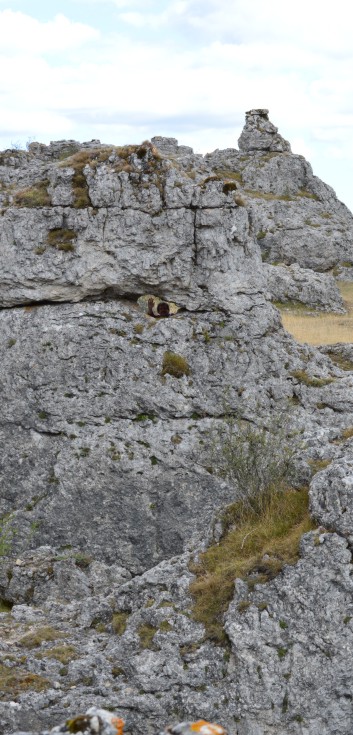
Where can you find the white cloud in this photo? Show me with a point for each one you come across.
(187, 68)
(20, 33)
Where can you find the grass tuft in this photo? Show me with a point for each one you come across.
(62, 239)
(64, 654)
(175, 365)
(119, 622)
(34, 196)
(146, 633)
(40, 635)
(312, 382)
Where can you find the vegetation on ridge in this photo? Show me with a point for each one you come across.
(261, 530)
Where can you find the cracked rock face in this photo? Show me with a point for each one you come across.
(108, 485)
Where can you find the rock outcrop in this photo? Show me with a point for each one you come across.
(109, 489)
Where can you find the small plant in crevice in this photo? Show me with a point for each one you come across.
(175, 365)
(62, 239)
(40, 635)
(119, 621)
(146, 633)
(16, 681)
(6, 535)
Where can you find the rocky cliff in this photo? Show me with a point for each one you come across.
(108, 489)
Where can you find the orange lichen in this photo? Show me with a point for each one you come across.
(207, 728)
(118, 723)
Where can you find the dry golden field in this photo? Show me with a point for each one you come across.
(320, 328)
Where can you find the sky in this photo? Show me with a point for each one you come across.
(123, 71)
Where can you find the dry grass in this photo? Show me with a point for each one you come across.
(319, 464)
(62, 239)
(311, 381)
(347, 433)
(34, 196)
(175, 365)
(64, 653)
(146, 633)
(342, 362)
(40, 635)
(14, 681)
(268, 196)
(254, 550)
(119, 622)
(321, 328)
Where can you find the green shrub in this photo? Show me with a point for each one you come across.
(175, 365)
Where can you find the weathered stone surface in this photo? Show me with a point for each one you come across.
(296, 628)
(302, 285)
(106, 451)
(332, 494)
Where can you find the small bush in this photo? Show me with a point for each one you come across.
(255, 460)
(175, 365)
(261, 530)
(82, 560)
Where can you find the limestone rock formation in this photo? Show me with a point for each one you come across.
(304, 286)
(259, 134)
(109, 488)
